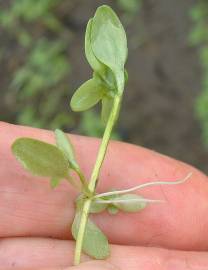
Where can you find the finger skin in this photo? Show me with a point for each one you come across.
(48, 254)
(28, 206)
(94, 266)
(91, 265)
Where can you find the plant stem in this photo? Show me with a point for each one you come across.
(104, 144)
(81, 232)
(94, 177)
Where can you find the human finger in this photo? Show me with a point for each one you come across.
(51, 254)
(29, 207)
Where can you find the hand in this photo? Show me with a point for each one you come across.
(35, 220)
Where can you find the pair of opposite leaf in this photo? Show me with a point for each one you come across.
(106, 51)
(47, 160)
(56, 162)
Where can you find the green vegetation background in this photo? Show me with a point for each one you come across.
(166, 102)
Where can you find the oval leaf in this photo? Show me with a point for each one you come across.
(64, 144)
(109, 42)
(92, 60)
(95, 243)
(89, 94)
(96, 208)
(41, 158)
(112, 209)
(129, 203)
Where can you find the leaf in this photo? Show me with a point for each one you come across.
(55, 182)
(101, 71)
(107, 80)
(112, 209)
(64, 144)
(80, 202)
(41, 158)
(129, 203)
(96, 208)
(95, 243)
(92, 60)
(87, 95)
(107, 104)
(109, 43)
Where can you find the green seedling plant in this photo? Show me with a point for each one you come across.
(106, 51)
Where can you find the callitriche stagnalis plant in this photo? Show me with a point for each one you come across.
(106, 52)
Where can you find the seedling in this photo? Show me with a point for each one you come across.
(106, 52)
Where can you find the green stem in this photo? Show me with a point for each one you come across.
(103, 147)
(94, 177)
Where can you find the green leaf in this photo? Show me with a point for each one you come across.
(107, 80)
(95, 243)
(96, 208)
(112, 209)
(64, 144)
(55, 182)
(109, 43)
(41, 158)
(107, 104)
(89, 94)
(80, 202)
(130, 203)
(92, 60)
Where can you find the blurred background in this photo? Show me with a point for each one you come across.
(165, 106)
